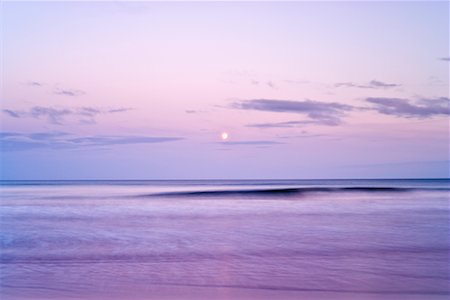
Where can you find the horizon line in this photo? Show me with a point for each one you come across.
(236, 179)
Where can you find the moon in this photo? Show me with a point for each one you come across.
(224, 136)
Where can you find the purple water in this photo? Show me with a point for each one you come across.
(225, 240)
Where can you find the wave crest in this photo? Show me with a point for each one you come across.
(274, 191)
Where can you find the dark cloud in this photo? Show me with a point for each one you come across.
(56, 115)
(11, 113)
(13, 141)
(302, 107)
(373, 84)
(444, 58)
(422, 108)
(331, 114)
(119, 140)
(71, 93)
(327, 113)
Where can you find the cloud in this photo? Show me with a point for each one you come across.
(193, 111)
(43, 136)
(119, 140)
(422, 108)
(13, 141)
(302, 136)
(373, 84)
(271, 84)
(444, 58)
(34, 83)
(58, 91)
(331, 114)
(380, 84)
(53, 115)
(259, 143)
(268, 83)
(71, 93)
(289, 124)
(302, 107)
(57, 115)
(11, 113)
(327, 113)
(116, 110)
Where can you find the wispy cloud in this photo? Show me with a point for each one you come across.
(57, 115)
(34, 83)
(444, 58)
(271, 84)
(422, 108)
(117, 110)
(259, 143)
(373, 84)
(290, 124)
(69, 92)
(57, 90)
(327, 113)
(13, 141)
(11, 113)
(268, 83)
(119, 140)
(331, 114)
(302, 136)
(193, 111)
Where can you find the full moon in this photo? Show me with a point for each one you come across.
(224, 136)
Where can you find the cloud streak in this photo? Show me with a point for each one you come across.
(290, 124)
(34, 83)
(193, 111)
(331, 114)
(13, 141)
(70, 93)
(57, 115)
(268, 83)
(423, 108)
(373, 84)
(326, 113)
(249, 143)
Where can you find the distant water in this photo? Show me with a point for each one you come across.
(256, 239)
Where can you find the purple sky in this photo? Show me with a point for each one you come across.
(144, 90)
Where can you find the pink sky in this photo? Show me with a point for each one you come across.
(144, 90)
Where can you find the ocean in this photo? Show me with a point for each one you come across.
(225, 239)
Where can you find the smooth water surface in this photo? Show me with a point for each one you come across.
(296, 239)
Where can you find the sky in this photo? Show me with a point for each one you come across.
(144, 90)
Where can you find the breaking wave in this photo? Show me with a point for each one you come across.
(275, 191)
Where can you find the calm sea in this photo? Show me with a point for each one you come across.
(250, 239)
